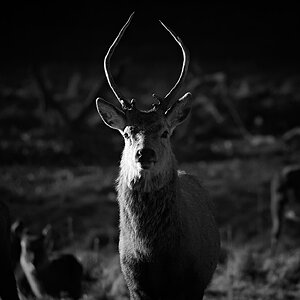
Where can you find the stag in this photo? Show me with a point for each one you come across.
(8, 288)
(169, 241)
(285, 191)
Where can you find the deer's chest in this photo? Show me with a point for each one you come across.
(152, 276)
(147, 216)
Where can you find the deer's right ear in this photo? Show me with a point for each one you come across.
(111, 116)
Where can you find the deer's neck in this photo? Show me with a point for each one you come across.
(147, 216)
(32, 277)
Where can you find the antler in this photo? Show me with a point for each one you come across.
(124, 103)
(163, 103)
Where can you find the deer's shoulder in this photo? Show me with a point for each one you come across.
(193, 191)
(189, 182)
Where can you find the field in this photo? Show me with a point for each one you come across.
(59, 164)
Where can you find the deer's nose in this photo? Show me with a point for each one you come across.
(146, 156)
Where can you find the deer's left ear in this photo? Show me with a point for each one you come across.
(179, 111)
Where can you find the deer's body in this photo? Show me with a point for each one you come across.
(169, 242)
(285, 191)
(8, 288)
(168, 239)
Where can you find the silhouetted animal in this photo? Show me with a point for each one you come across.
(8, 288)
(285, 190)
(169, 241)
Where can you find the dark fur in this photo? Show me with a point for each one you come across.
(61, 274)
(168, 245)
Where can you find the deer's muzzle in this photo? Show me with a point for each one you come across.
(146, 157)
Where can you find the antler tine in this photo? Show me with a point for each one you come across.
(124, 103)
(186, 59)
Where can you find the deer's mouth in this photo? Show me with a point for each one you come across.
(146, 165)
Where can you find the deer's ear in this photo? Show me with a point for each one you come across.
(112, 116)
(179, 111)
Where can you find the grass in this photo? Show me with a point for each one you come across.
(238, 187)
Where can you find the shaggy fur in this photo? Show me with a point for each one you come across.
(168, 240)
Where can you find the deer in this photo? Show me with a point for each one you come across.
(285, 192)
(8, 287)
(168, 241)
(52, 274)
(16, 231)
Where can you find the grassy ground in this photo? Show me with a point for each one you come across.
(85, 195)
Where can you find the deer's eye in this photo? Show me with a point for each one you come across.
(164, 134)
(126, 135)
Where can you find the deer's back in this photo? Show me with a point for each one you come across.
(61, 273)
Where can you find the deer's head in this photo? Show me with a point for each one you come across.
(147, 150)
(34, 247)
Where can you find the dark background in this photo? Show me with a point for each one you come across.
(83, 31)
